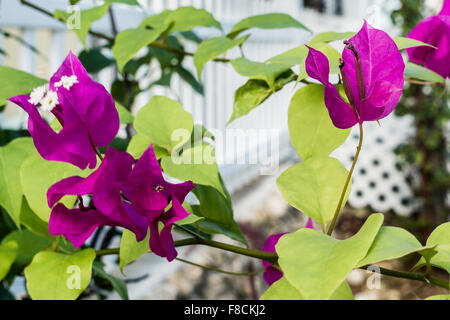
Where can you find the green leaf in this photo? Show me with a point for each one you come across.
(418, 72)
(125, 116)
(87, 18)
(164, 122)
(8, 252)
(182, 19)
(391, 243)
(317, 264)
(311, 130)
(439, 297)
(14, 82)
(283, 290)
(117, 284)
(314, 187)
(405, 43)
(218, 211)
(94, 60)
(267, 72)
(128, 43)
(139, 143)
(56, 276)
(28, 245)
(130, 249)
(332, 36)
(254, 92)
(266, 21)
(11, 158)
(211, 49)
(30, 220)
(439, 254)
(187, 76)
(197, 164)
(38, 175)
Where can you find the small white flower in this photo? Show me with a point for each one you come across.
(67, 82)
(37, 94)
(49, 101)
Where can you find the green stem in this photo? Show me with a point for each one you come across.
(413, 276)
(270, 257)
(219, 270)
(347, 182)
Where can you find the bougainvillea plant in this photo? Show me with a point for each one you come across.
(70, 178)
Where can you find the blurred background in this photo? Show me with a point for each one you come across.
(403, 170)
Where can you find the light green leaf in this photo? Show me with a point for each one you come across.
(38, 175)
(405, 43)
(14, 82)
(332, 36)
(56, 276)
(254, 92)
(118, 284)
(87, 18)
(211, 49)
(314, 187)
(33, 223)
(139, 143)
(197, 164)
(391, 243)
(267, 72)
(130, 249)
(291, 57)
(128, 43)
(164, 122)
(192, 218)
(28, 243)
(125, 116)
(11, 158)
(311, 130)
(418, 72)
(266, 21)
(8, 252)
(439, 254)
(439, 297)
(182, 19)
(299, 54)
(283, 290)
(317, 264)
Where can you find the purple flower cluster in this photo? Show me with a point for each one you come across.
(372, 70)
(435, 31)
(122, 193)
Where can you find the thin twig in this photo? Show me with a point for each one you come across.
(220, 270)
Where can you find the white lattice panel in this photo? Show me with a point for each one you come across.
(378, 181)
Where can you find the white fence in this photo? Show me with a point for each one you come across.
(214, 108)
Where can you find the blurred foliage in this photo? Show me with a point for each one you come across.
(153, 63)
(427, 150)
